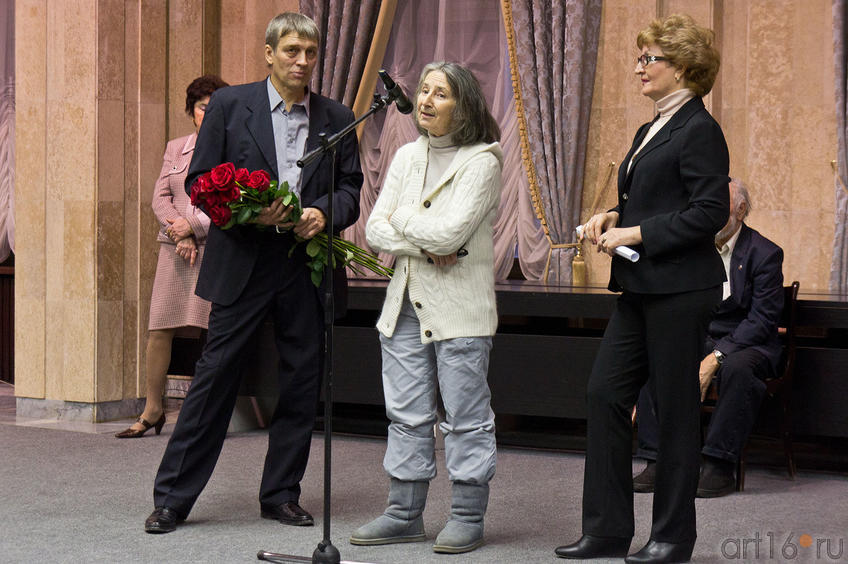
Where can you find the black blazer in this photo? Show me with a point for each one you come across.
(237, 128)
(677, 192)
(749, 317)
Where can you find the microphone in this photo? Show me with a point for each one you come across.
(403, 104)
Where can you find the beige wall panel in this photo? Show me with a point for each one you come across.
(700, 10)
(778, 117)
(71, 150)
(132, 378)
(29, 342)
(243, 26)
(30, 219)
(110, 251)
(111, 114)
(185, 60)
(78, 362)
(110, 351)
(54, 329)
(55, 251)
(30, 180)
(110, 49)
(72, 48)
(80, 251)
(54, 349)
(233, 39)
(148, 145)
(153, 48)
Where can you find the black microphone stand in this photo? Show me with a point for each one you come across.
(326, 553)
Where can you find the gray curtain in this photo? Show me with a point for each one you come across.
(556, 47)
(346, 31)
(839, 264)
(7, 128)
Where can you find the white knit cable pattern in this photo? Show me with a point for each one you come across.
(451, 302)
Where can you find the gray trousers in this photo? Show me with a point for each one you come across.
(412, 371)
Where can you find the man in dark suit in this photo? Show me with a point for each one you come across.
(741, 351)
(247, 274)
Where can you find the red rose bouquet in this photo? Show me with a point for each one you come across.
(233, 196)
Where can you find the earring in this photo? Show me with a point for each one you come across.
(677, 78)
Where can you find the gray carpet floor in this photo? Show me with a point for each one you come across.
(82, 497)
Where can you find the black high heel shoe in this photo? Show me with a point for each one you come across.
(130, 433)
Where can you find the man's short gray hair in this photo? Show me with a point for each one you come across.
(740, 195)
(291, 22)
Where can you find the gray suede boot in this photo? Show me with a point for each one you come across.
(401, 521)
(464, 530)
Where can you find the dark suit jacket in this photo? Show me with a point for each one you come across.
(677, 192)
(748, 318)
(237, 128)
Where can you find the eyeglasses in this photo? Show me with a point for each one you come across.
(646, 60)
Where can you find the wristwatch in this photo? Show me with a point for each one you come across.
(719, 356)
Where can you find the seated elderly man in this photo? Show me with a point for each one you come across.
(742, 350)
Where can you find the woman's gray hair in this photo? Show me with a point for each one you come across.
(740, 194)
(291, 22)
(471, 120)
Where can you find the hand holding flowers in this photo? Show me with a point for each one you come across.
(231, 196)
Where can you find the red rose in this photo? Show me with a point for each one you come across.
(202, 188)
(223, 175)
(232, 195)
(242, 175)
(213, 199)
(207, 188)
(195, 193)
(220, 215)
(259, 180)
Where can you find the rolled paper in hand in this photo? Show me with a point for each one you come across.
(622, 251)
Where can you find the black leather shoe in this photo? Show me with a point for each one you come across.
(643, 482)
(594, 547)
(662, 552)
(288, 513)
(162, 520)
(716, 479)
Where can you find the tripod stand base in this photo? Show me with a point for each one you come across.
(326, 553)
(285, 558)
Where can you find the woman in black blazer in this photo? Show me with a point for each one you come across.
(672, 199)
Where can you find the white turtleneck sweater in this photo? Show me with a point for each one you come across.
(666, 107)
(439, 197)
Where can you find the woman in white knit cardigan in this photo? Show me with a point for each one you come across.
(435, 214)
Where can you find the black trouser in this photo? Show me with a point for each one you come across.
(656, 339)
(741, 387)
(283, 288)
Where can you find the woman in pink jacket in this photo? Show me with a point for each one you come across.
(182, 235)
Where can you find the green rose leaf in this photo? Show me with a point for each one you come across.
(313, 248)
(244, 215)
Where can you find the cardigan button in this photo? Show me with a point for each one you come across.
(624, 196)
(426, 203)
(418, 305)
(428, 333)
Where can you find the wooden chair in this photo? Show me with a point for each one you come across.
(779, 387)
